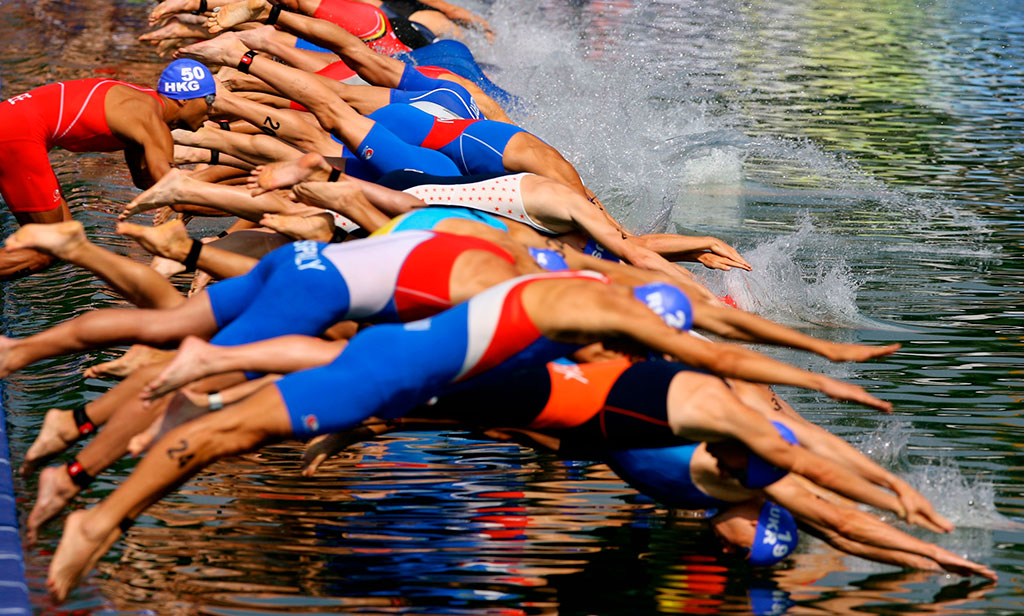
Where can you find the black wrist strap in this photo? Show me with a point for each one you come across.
(275, 12)
(214, 157)
(78, 474)
(85, 425)
(224, 125)
(338, 235)
(335, 175)
(243, 64)
(192, 260)
(203, 7)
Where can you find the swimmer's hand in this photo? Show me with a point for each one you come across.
(464, 16)
(712, 261)
(857, 352)
(961, 566)
(839, 390)
(720, 248)
(916, 508)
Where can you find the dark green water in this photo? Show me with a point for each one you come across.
(866, 156)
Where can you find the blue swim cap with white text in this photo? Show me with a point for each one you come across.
(184, 79)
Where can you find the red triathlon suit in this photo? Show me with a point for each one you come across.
(366, 21)
(68, 114)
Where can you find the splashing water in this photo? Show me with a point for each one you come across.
(967, 502)
(797, 279)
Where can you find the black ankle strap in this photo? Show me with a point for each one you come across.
(243, 64)
(78, 474)
(275, 12)
(82, 421)
(192, 260)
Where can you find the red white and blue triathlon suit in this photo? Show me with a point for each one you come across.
(305, 287)
(387, 370)
(68, 114)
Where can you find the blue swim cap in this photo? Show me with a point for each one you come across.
(184, 79)
(548, 259)
(760, 473)
(775, 536)
(668, 302)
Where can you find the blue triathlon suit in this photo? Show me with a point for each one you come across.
(438, 97)
(292, 290)
(382, 152)
(386, 370)
(475, 146)
(450, 55)
(664, 473)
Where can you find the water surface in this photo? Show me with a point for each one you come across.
(865, 156)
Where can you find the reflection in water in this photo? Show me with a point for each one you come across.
(866, 155)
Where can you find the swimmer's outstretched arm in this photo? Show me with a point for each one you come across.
(618, 313)
(861, 533)
(827, 445)
(675, 247)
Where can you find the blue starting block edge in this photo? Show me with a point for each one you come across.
(14, 598)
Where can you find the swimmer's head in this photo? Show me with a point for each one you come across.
(764, 530)
(668, 302)
(186, 79)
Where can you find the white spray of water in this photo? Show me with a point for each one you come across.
(967, 502)
(645, 132)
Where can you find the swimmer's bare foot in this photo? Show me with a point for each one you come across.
(168, 8)
(7, 346)
(233, 79)
(163, 215)
(199, 282)
(181, 410)
(317, 228)
(332, 196)
(81, 545)
(195, 138)
(135, 357)
(258, 37)
(858, 352)
(176, 29)
(141, 442)
(169, 240)
(236, 13)
(169, 46)
(308, 167)
(55, 491)
(59, 239)
(57, 434)
(191, 363)
(167, 191)
(225, 49)
(166, 267)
